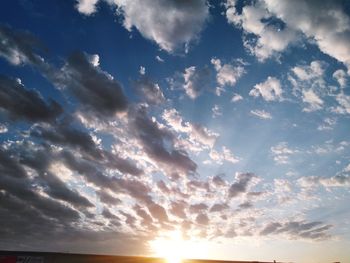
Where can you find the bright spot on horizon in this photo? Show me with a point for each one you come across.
(174, 248)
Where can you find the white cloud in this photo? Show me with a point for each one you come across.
(312, 99)
(236, 97)
(168, 23)
(216, 110)
(224, 155)
(142, 70)
(344, 104)
(196, 132)
(195, 81)
(269, 90)
(86, 7)
(324, 23)
(159, 59)
(269, 39)
(3, 128)
(315, 70)
(262, 114)
(281, 153)
(328, 124)
(334, 181)
(340, 76)
(227, 74)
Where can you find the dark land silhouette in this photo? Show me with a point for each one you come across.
(49, 257)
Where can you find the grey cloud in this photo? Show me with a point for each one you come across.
(195, 81)
(198, 208)
(340, 180)
(218, 207)
(241, 184)
(150, 91)
(158, 212)
(94, 88)
(218, 181)
(298, 229)
(21, 103)
(146, 217)
(18, 46)
(202, 219)
(123, 165)
(67, 135)
(178, 209)
(39, 160)
(107, 198)
(245, 205)
(154, 139)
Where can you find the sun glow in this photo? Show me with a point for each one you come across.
(174, 248)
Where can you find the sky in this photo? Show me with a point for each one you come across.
(215, 129)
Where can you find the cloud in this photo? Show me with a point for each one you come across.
(227, 74)
(241, 185)
(298, 229)
(281, 153)
(305, 73)
(328, 124)
(312, 99)
(86, 7)
(341, 180)
(216, 111)
(150, 91)
(17, 47)
(341, 77)
(276, 25)
(317, 21)
(270, 36)
(218, 207)
(343, 104)
(95, 89)
(21, 103)
(262, 114)
(269, 90)
(195, 131)
(170, 24)
(196, 81)
(66, 134)
(224, 155)
(236, 98)
(154, 139)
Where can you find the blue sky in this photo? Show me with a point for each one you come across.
(124, 122)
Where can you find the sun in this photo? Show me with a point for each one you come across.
(170, 246)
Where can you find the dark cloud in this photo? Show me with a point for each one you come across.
(20, 103)
(123, 165)
(66, 134)
(94, 88)
(158, 143)
(241, 184)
